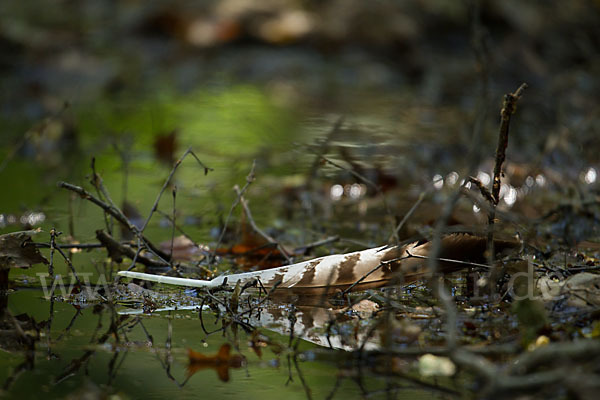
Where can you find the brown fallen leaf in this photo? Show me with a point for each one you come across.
(253, 252)
(17, 251)
(220, 362)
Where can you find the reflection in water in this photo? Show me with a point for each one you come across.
(19, 334)
(220, 362)
(29, 219)
(107, 348)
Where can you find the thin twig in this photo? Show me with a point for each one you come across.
(69, 263)
(307, 247)
(74, 246)
(263, 300)
(482, 189)
(70, 325)
(96, 181)
(53, 234)
(249, 179)
(307, 390)
(508, 109)
(166, 184)
(449, 260)
(312, 172)
(116, 249)
(118, 215)
(179, 228)
(262, 233)
(54, 246)
(410, 212)
(173, 224)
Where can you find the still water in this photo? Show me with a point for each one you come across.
(97, 351)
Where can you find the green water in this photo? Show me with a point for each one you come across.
(69, 360)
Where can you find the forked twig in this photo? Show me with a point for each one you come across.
(118, 215)
(166, 184)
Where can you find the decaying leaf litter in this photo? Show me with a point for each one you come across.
(518, 320)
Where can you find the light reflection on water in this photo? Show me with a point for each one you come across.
(29, 219)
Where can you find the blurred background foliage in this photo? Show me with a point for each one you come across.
(134, 84)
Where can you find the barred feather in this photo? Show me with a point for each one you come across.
(376, 267)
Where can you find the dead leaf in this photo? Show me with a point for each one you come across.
(17, 250)
(184, 249)
(220, 362)
(253, 251)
